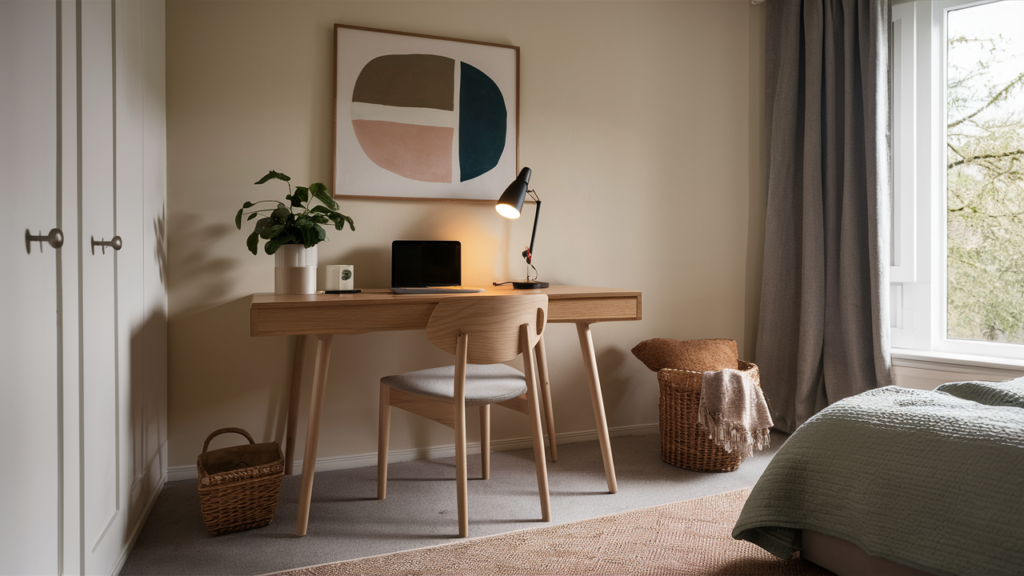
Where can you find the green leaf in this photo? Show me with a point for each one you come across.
(261, 224)
(340, 220)
(251, 216)
(276, 243)
(302, 193)
(248, 205)
(273, 176)
(289, 237)
(238, 219)
(252, 242)
(322, 210)
(296, 201)
(281, 214)
(319, 191)
(308, 236)
(271, 231)
(321, 234)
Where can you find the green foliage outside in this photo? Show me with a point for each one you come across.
(985, 190)
(283, 224)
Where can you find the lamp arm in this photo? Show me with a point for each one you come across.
(528, 254)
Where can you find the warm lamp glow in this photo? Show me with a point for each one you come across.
(507, 211)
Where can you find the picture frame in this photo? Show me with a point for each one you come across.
(420, 117)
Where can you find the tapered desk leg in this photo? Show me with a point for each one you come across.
(316, 404)
(545, 394)
(590, 361)
(293, 404)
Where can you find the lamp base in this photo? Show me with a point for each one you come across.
(529, 284)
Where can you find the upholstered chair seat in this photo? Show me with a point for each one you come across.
(485, 383)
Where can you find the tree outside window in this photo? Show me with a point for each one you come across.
(985, 172)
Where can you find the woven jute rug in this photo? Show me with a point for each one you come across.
(689, 537)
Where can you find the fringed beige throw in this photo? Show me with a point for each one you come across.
(734, 413)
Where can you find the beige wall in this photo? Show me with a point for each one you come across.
(641, 121)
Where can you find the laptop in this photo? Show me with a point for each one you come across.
(427, 267)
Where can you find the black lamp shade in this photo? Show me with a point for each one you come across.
(510, 205)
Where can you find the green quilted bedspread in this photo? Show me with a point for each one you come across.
(930, 480)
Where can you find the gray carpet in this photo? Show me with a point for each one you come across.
(347, 521)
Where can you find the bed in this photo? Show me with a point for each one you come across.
(900, 481)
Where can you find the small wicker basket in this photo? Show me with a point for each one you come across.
(684, 442)
(238, 486)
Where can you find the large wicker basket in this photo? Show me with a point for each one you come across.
(684, 442)
(238, 486)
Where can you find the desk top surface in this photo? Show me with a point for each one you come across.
(385, 295)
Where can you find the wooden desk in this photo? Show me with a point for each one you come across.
(323, 315)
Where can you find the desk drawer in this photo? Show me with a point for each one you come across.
(593, 309)
(340, 319)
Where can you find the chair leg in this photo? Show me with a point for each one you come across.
(535, 427)
(383, 434)
(461, 355)
(485, 440)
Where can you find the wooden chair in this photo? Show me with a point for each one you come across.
(482, 332)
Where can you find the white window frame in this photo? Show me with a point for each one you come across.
(918, 272)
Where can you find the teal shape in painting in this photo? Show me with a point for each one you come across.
(483, 121)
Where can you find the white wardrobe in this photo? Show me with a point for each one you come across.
(83, 384)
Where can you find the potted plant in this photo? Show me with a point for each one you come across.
(292, 231)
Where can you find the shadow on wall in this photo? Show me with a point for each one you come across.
(160, 246)
(195, 265)
(616, 380)
(230, 379)
(147, 398)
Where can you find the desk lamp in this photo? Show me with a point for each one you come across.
(510, 205)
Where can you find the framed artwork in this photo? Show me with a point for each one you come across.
(423, 117)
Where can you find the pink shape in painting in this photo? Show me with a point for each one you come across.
(421, 153)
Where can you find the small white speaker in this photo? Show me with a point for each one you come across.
(340, 277)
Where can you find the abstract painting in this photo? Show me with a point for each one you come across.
(424, 117)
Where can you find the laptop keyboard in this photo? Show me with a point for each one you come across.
(437, 290)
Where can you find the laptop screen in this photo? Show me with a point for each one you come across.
(425, 263)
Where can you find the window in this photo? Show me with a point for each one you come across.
(958, 172)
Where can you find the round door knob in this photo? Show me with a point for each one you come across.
(55, 239)
(114, 243)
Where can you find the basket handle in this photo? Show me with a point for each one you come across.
(216, 433)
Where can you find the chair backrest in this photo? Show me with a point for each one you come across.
(491, 322)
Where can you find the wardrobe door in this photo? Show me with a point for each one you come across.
(30, 421)
(82, 346)
(122, 87)
(100, 445)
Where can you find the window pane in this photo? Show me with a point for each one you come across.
(985, 172)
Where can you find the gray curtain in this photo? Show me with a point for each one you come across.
(824, 325)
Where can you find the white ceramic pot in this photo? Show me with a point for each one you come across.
(295, 270)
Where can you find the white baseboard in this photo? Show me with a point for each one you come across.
(189, 472)
(161, 461)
